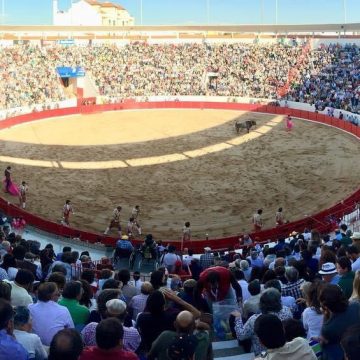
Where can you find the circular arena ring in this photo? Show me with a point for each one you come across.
(181, 161)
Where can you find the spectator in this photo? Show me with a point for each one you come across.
(137, 282)
(128, 290)
(9, 265)
(20, 288)
(5, 291)
(353, 254)
(288, 301)
(31, 342)
(355, 296)
(66, 344)
(206, 259)
(71, 295)
(183, 343)
(48, 317)
(339, 315)
(270, 332)
(188, 295)
(252, 305)
(9, 347)
(312, 316)
(350, 343)
(329, 273)
(270, 303)
(59, 279)
(109, 338)
(138, 302)
(240, 277)
(245, 268)
(343, 266)
(293, 287)
(114, 308)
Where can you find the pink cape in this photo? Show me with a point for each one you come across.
(13, 188)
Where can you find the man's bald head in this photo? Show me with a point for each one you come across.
(185, 322)
(66, 344)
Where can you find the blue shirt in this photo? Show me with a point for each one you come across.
(124, 244)
(10, 348)
(335, 280)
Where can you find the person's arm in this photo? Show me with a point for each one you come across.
(243, 331)
(235, 285)
(173, 297)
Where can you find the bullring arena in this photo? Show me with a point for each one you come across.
(180, 165)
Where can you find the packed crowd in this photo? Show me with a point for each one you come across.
(324, 77)
(299, 299)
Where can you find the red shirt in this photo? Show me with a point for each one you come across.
(94, 353)
(224, 283)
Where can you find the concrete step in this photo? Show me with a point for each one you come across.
(230, 350)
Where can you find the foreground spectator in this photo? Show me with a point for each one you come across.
(343, 266)
(71, 295)
(270, 303)
(183, 342)
(9, 347)
(31, 342)
(350, 342)
(66, 345)
(270, 332)
(20, 288)
(109, 338)
(48, 316)
(138, 302)
(339, 315)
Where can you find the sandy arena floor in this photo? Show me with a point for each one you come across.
(179, 165)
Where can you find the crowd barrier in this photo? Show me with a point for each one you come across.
(323, 221)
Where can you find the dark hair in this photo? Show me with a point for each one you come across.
(67, 257)
(87, 294)
(269, 275)
(5, 290)
(155, 303)
(22, 316)
(156, 279)
(270, 301)
(293, 328)
(8, 261)
(333, 298)
(239, 275)
(66, 249)
(46, 290)
(109, 332)
(273, 284)
(344, 263)
(351, 250)
(254, 287)
(66, 344)
(6, 313)
(124, 276)
(88, 275)
(58, 278)
(350, 342)
(105, 274)
(111, 284)
(19, 252)
(59, 268)
(270, 331)
(72, 290)
(24, 277)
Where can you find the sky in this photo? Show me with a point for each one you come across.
(193, 12)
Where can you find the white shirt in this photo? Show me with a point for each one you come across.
(32, 344)
(244, 287)
(356, 265)
(48, 318)
(19, 296)
(187, 259)
(312, 322)
(170, 259)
